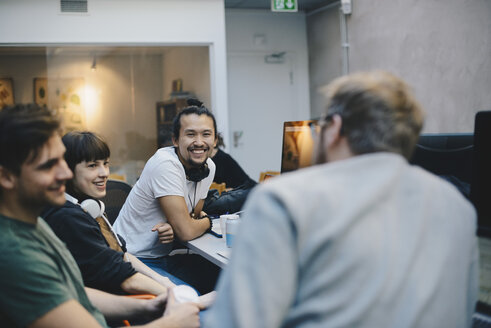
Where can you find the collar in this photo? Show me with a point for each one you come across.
(71, 199)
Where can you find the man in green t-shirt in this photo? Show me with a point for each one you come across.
(40, 283)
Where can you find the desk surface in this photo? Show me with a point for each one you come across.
(209, 247)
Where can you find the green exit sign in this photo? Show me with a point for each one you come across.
(284, 5)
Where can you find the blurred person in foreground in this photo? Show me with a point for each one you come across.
(363, 239)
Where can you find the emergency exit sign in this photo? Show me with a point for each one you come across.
(284, 5)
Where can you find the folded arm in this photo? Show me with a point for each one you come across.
(176, 212)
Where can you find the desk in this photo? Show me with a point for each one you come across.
(208, 246)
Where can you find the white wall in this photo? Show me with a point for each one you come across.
(258, 115)
(325, 60)
(128, 22)
(281, 32)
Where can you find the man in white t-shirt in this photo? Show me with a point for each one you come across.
(168, 198)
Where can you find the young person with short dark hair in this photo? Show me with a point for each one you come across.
(102, 259)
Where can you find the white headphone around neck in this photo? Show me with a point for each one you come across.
(95, 208)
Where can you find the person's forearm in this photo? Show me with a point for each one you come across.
(144, 269)
(141, 284)
(115, 307)
(194, 229)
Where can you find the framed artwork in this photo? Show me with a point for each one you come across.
(6, 92)
(41, 91)
(65, 97)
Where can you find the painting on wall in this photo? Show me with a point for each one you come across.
(41, 91)
(65, 97)
(6, 92)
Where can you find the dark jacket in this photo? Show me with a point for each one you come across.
(102, 267)
(229, 171)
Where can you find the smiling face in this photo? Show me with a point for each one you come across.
(41, 182)
(90, 178)
(196, 140)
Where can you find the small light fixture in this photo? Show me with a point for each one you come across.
(94, 65)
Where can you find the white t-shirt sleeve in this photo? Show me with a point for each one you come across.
(167, 180)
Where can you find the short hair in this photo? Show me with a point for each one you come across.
(24, 129)
(84, 146)
(378, 111)
(195, 107)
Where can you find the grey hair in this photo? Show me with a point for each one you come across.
(378, 111)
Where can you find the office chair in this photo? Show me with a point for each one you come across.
(116, 193)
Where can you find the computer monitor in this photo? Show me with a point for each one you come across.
(448, 155)
(480, 196)
(481, 182)
(298, 145)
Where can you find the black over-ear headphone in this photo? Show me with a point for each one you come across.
(196, 174)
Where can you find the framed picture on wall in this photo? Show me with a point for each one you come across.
(41, 91)
(6, 92)
(65, 97)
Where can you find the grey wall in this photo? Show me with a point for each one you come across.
(441, 48)
(325, 64)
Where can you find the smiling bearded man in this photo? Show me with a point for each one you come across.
(171, 190)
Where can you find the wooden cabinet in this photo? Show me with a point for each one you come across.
(166, 112)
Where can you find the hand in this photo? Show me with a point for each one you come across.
(207, 300)
(154, 308)
(185, 315)
(165, 232)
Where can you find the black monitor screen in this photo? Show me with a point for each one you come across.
(447, 155)
(481, 183)
(298, 145)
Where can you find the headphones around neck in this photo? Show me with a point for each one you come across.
(95, 208)
(196, 174)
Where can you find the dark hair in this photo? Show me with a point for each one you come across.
(195, 107)
(24, 129)
(84, 146)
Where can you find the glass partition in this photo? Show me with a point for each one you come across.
(114, 91)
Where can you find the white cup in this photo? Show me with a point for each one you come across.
(223, 220)
(231, 227)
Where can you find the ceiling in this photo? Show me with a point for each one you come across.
(303, 5)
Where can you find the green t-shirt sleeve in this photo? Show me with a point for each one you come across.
(31, 285)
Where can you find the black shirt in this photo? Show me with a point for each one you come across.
(228, 170)
(102, 267)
